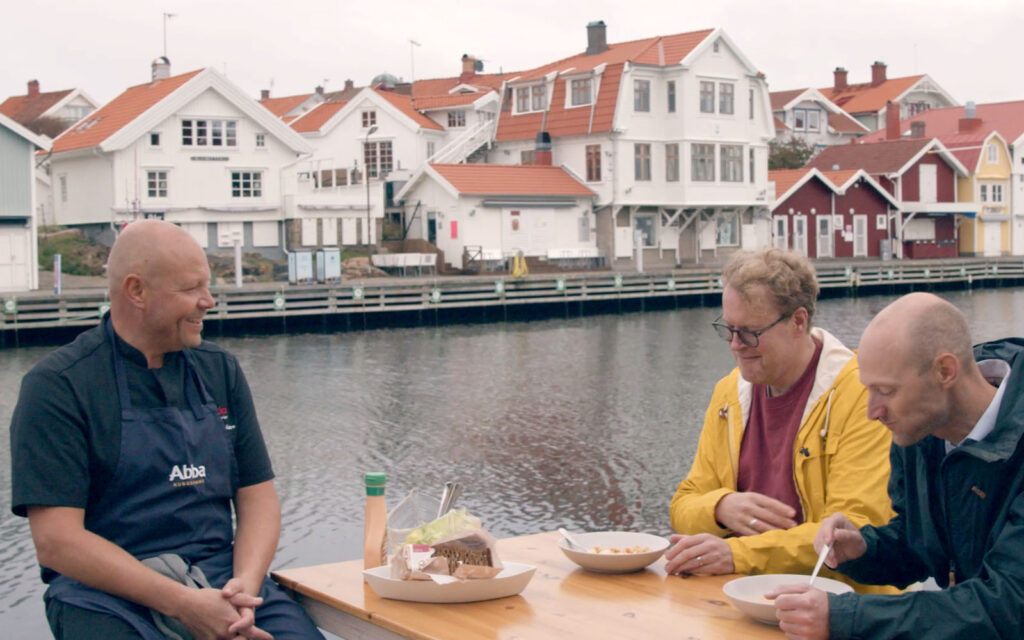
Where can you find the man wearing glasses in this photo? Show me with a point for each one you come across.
(786, 441)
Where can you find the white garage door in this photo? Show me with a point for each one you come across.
(14, 257)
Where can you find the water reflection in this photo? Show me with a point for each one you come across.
(588, 423)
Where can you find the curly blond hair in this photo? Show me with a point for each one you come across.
(788, 276)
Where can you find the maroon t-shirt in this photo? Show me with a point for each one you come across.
(766, 455)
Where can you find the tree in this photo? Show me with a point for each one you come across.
(791, 153)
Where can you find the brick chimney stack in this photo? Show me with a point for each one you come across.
(839, 79)
(469, 66)
(33, 88)
(917, 129)
(264, 94)
(319, 90)
(892, 120)
(877, 73)
(597, 37)
(349, 84)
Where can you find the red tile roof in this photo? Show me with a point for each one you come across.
(839, 178)
(280, 106)
(965, 146)
(316, 117)
(781, 98)
(453, 100)
(404, 104)
(119, 112)
(1005, 117)
(784, 179)
(24, 110)
(505, 179)
(865, 98)
(878, 158)
(560, 121)
(843, 124)
(441, 86)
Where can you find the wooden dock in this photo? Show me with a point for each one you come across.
(374, 302)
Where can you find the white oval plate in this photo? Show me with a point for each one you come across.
(512, 579)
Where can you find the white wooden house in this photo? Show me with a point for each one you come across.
(19, 267)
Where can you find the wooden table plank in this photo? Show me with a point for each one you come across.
(561, 601)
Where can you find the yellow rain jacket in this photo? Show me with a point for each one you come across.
(840, 463)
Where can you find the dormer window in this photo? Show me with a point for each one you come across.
(532, 98)
(456, 119)
(369, 119)
(993, 153)
(580, 92)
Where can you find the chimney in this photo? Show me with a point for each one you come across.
(597, 37)
(349, 84)
(892, 120)
(969, 122)
(839, 79)
(161, 68)
(33, 88)
(319, 90)
(917, 129)
(542, 150)
(264, 94)
(468, 68)
(877, 73)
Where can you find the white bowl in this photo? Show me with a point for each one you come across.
(512, 579)
(747, 594)
(614, 562)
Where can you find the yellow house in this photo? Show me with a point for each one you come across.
(987, 157)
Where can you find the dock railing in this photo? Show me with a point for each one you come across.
(40, 310)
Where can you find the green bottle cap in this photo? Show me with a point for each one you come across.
(376, 479)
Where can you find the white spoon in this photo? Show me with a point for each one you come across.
(817, 565)
(570, 539)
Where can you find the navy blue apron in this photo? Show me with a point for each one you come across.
(171, 493)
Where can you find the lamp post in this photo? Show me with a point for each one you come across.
(366, 177)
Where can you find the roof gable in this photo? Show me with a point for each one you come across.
(129, 116)
(40, 141)
(111, 117)
(891, 157)
(281, 106)
(25, 109)
(316, 117)
(505, 180)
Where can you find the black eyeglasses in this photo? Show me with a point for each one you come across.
(747, 337)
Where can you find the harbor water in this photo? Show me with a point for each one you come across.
(587, 423)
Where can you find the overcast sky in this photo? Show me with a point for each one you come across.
(970, 47)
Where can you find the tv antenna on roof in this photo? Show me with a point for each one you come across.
(412, 61)
(167, 16)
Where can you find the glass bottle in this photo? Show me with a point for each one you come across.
(375, 522)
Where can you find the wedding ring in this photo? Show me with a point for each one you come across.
(753, 521)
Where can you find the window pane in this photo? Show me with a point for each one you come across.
(641, 95)
(672, 162)
(725, 97)
(732, 163)
(707, 97)
(702, 162)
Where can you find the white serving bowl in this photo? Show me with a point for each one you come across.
(747, 594)
(614, 562)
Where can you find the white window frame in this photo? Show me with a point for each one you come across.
(703, 171)
(579, 92)
(991, 153)
(731, 158)
(707, 90)
(723, 102)
(983, 192)
(249, 181)
(156, 183)
(997, 193)
(814, 120)
(260, 140)
(641, 96)
(209, 133)
(881, 222)
(369, 118)
(642, 161)
(457, 119)
(672, 162)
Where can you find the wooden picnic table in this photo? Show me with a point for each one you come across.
(561, 601)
